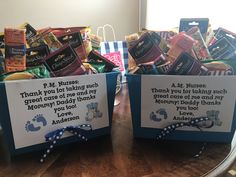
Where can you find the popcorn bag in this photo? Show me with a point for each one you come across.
(58, 94)
(182, 88)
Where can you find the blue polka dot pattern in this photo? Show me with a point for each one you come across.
(55, 136)
(193, 123)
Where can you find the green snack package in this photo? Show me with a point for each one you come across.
(39, 71)
(32, 73)
(220, 67)
(99, 66)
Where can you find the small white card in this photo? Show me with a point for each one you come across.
(39, 106)
(169, 99)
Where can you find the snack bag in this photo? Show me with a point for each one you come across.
(15, 49)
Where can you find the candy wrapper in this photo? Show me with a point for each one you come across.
(222, 49)
(39, 72)
(97, 58)
(180, 43)
(220, 67)
(45, 38)
(52, 42)
(30, 31)
(85, 32)
(130, 40)
(64, 62)
(32, 73)
(162, 44)
(188, 23)
(76, 42)
(200, 48)
(90, 69)
(37, 40)
(2, 66)
(2, 43)
(145, 50)
(35, 55)
(185, 53)
(95, 41)
(221, 32)
(185, 64)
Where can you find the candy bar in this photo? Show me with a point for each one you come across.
(35, 55)
(145, 50)
(64, 62)
(76, 42)
(185, 64)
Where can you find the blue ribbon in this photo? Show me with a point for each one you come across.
(199, 123)
(54, 136)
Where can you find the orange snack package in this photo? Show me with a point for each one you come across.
(15, 51)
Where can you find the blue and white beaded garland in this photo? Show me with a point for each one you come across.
(193, 123)
(54, 136)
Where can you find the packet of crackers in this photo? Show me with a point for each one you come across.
(15, 49)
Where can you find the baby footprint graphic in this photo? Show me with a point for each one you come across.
(30, 127)
(40, 119)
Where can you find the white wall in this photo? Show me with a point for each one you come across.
(121, 14)
(166, 14)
